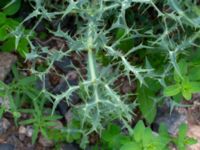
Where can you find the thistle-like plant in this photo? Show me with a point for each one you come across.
(104, 26)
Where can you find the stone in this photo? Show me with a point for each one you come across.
(29, 131)
(64, 64)
(22, 130)
(6, 147)
(22, 137)
(22, 133)
(4, 125)
(172, 120)
(45, 142)
(13, 140)
(6, 62)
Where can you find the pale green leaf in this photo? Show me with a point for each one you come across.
(172, 90)
(138, 131)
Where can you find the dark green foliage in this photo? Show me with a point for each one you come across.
(143, 138)
(13, 36)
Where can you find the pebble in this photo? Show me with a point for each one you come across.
(45, 142)
(4, 125)
(22, 130)
(64, 64)
(6, 62)
(13, 140)
(29, 131)
(22, 137)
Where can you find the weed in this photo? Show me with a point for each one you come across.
(143, 138)
(143, 40)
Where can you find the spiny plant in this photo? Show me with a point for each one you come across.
(160, 33)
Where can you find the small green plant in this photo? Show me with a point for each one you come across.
(143, 138)
(13, 36)
(10, 7)
(16, 93)
(40, 121)
(186, 81)
(182, 141)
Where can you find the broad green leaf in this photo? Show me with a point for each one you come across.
(3, 3)
(183, 66)
(178, 98)
(131, 146)
(195, 87)
(182, 132)
(147, 137)
(146, 103)
(194, 73)
(172, 90)
(22, 48)
(177, 78)
(126, 43)
(8, 45)
(138, 131)
(190, 141)
(180, 141)
(183, 69)
(11, 23)
(187, 94)
(3, 33)
(186, 89)
(163, 131)
(12, 7)
(118, 140)
(2, 18)
(122, 139)
(109, 134)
